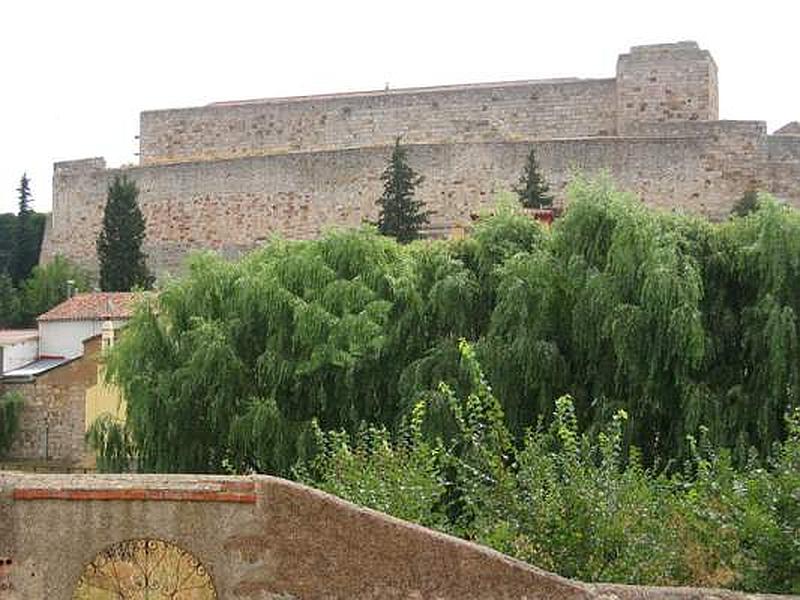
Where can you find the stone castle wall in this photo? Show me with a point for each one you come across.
(479, 113)
(233, 205)
(230, 175)
(666, 82)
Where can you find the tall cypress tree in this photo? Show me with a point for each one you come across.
(26, 237)
(123, 265)
(401, 216)
(532, 188)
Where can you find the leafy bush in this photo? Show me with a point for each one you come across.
(570, 502)
(49, 285)
(110, 439)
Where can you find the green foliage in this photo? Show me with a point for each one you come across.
(569, 501)
(10, 407)
(671, 340)
(401, 216)
(110, 440)
(680, 322)
(8, 225)
(9, 302)
(49, 285)
(238, 358)
(746, 204)
(400, 477)
(28, 229)
(532, 188)
(123, 265)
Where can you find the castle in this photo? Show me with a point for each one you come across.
(229, 175)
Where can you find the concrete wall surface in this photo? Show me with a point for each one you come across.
(18, 355)
(65, 338)
(254, 538)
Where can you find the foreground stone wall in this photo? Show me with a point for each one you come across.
(234, 205)
(260, 538)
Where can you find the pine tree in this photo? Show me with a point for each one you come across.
(401, 216)
(532, 188)
(119, 247)
(27, 238)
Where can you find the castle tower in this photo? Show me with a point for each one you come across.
(665, 82)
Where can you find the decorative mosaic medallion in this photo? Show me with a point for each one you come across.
(147, 569)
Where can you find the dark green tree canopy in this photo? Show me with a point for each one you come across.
(123, 264)
(47, 286)
(401, 215)
(8, 227)
(532, 188)
(746, 204)
(27, 234)
(681, 322)
(9, 302)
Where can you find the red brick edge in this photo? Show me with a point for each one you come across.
(242, 493)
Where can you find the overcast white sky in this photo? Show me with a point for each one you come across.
(77, 73)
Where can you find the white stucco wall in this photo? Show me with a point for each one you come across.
(19, 354)
(65, 338)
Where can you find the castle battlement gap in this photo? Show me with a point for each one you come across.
(205, 537)
(228, 175)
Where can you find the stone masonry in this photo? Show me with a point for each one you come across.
(230, 175)
(52, 423)
(260, 538)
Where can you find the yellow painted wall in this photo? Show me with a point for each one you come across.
(102, 398)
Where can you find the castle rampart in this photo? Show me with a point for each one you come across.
(515, 111)
(230, 175)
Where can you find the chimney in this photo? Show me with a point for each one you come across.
(107, 336)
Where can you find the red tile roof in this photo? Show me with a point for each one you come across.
(93, 306)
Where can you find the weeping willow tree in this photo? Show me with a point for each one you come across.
(231, 366)
(680, 322)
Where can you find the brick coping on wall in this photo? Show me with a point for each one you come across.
(242, 494)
